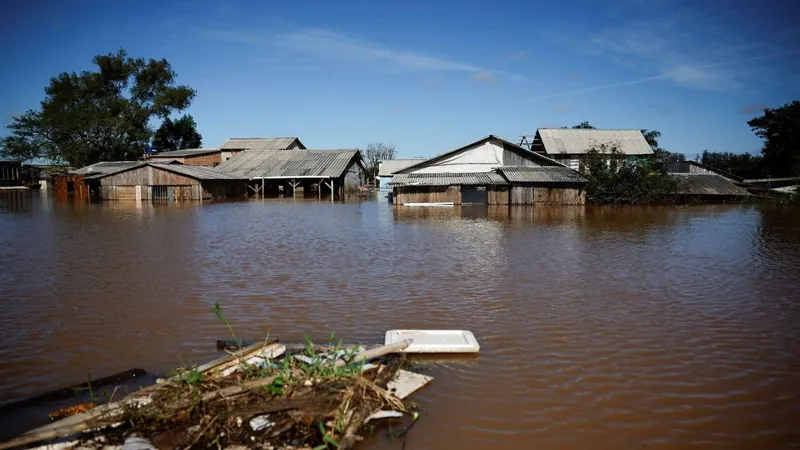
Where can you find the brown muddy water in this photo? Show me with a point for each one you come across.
(600, 328)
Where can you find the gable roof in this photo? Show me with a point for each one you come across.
(197, 172)
(683, 167)
(261, 144)
(572, 141)
(707, 184)
(291, 163)
(552, 174)
(449, 179)
(541, 159)
(390, 166)
(103, 167)
(185, 152)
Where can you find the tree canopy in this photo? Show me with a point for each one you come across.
(98, 115)
(780, 130)
(374, 154)
(584, 126)
(744, 165)
(615, 179)
(177, 134)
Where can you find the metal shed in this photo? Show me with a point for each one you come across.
(312, 172)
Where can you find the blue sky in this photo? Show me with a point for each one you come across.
(430, 76)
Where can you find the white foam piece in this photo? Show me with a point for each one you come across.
(435, 341)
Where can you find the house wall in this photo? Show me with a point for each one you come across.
(498, 195)
(353, 177)
(147, 176)
(79, 185)
(571, 161)
(207, 160)
(427, 194)
(547, 195)
(10, 173)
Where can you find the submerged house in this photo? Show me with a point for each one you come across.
(207, 157)
(387, 168)
(699, 183)
(312, 173)
(569, 145)
(489, 171)
(234, 146)
(10, 173)
(167, 182)
(74, 182)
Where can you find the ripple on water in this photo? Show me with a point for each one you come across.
(600, 328)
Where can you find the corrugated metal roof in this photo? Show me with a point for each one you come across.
(390, 166)
(261, 144)
(707, 184)
(197, 172)
(186, 152)
(290, 163)
(550, 174)
(104, 167)
(449, 179)
(579, 141)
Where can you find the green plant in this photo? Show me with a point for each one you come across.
(223, 319)
(276, 387)
(328, 440)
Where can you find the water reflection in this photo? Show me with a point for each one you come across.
(600, 327)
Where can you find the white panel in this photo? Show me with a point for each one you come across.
(481, 158)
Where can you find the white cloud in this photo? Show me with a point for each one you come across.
(690, 45)
(484, 77)
(334, 46)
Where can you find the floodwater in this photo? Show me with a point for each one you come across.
(601, 328)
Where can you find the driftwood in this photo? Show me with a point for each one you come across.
(234, 359)
(374, 353)
(108, 413)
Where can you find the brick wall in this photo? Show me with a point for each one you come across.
(208, 160)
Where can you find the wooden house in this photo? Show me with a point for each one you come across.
(310, 173)
(74, 182)
(489, 171)
(569, 145)
(168, 182)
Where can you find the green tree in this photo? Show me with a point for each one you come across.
(744, 165)
(612, 178)
(584, 126)
(780, 130)
(177, 134)
(99, 115)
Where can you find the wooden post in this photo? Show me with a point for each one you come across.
(319, 189)
(333, 189)
(262, 187)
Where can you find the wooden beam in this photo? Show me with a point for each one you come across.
(262, 188)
